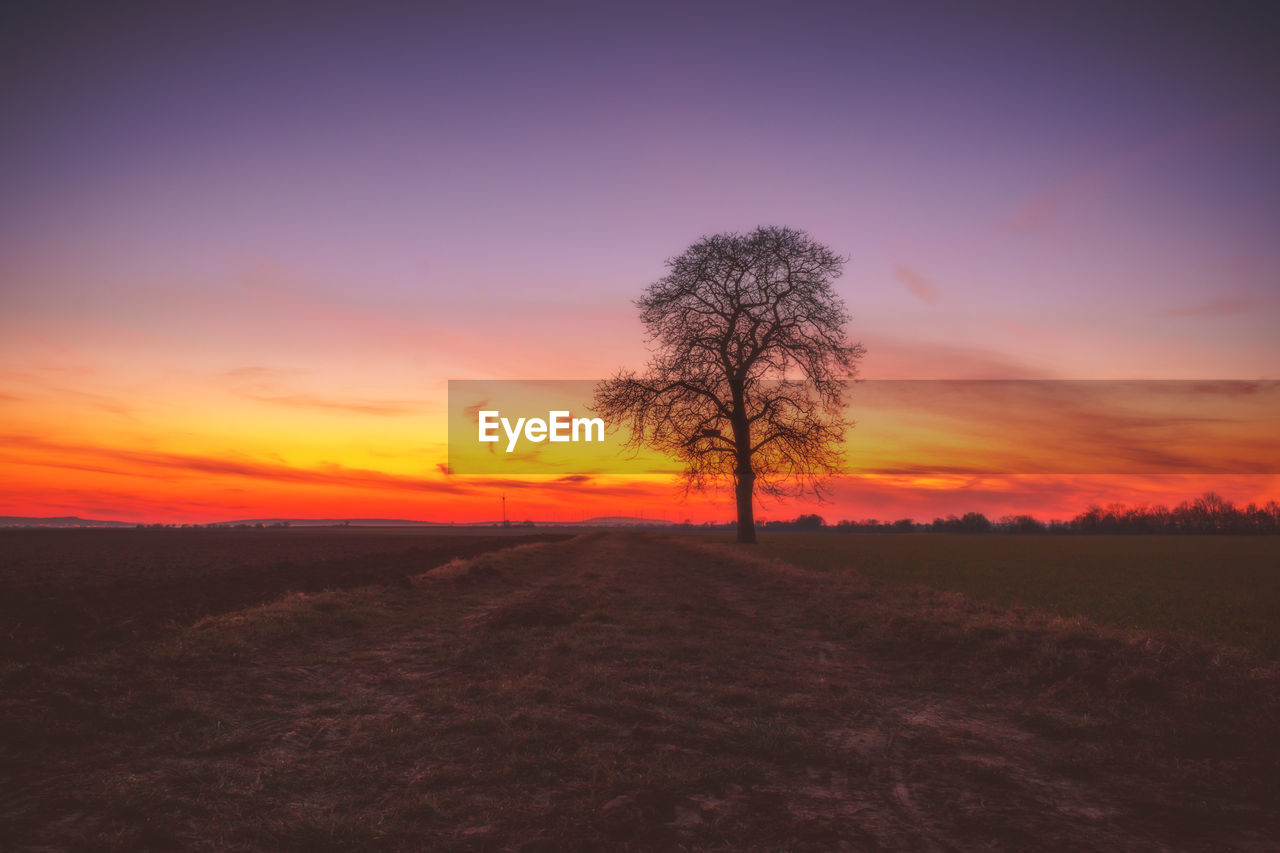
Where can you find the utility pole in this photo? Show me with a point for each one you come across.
(505, 523)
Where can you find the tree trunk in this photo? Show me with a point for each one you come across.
(744, 474)
(746, 515)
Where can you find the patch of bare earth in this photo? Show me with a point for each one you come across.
(636, 693)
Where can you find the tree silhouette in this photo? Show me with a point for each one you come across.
(748, 368)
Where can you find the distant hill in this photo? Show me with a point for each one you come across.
(621, 521)
(60, 521)
(76, 521)
(330, 522)
(603, 521)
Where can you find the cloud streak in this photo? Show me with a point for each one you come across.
(261, 384)
(147, 463)
(919, 286)
(1084, 427)
(1222, 306)
(1040, 211)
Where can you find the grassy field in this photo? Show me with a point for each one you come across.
(617, 692)
(1219, 588)
(633, 692)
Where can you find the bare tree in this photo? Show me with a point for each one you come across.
(748, 369)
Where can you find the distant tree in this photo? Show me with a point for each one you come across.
(971, 522)
(748, 368)
(1021, 524)
(1209, 513)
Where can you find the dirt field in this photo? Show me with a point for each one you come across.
(629, 692)
(63, 592)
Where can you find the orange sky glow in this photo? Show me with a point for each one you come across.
(240, 264)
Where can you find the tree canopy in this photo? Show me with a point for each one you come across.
(749, 366)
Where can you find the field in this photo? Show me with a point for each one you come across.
(1218, 588)
(622, 691)
(65, 591)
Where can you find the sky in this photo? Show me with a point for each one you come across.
(244, 247)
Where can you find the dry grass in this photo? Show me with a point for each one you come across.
(628, 692)
(65, 592)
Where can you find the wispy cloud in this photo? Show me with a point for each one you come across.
(1232, 388)
(1119, 427)
(929, 471)
(1042, 209)
(36, 383)
(361, 407)
(1222, 306)
(149, 463)
(910, 358)
(258, 373)
(263, 385)
(921, 288)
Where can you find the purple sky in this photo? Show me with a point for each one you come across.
(1078, 190)
(271, 232)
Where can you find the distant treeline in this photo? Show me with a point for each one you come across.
(1208, 513)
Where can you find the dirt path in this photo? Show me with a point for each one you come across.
(630, 692)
